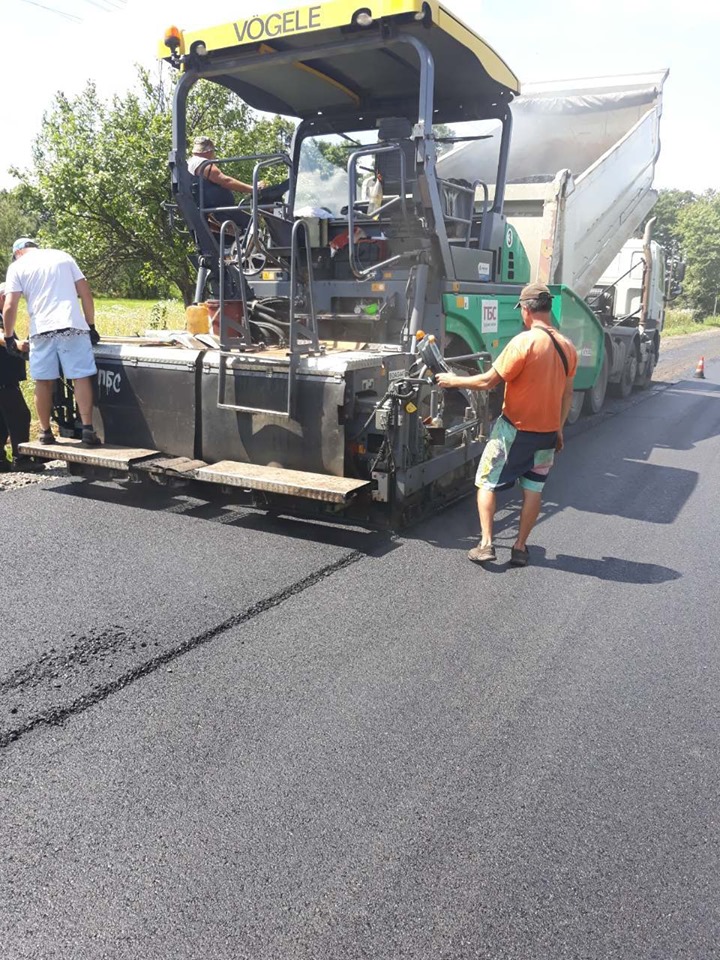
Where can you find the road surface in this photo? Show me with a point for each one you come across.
(223, 737)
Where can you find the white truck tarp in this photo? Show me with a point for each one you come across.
(580, 170)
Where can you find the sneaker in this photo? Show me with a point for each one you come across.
(46, 437)
(481, 554)
(90, 438)
(519, 558)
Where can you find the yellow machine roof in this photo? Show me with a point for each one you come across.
(467, 70)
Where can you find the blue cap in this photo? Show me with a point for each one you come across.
(22, 243)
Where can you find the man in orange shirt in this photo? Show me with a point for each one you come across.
(538, 367)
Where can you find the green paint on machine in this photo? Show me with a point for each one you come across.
(487, 322)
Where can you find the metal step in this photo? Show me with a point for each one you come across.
(72, 451)
(294, 483)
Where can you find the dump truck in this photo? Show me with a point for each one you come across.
(342, 290)
(579, 186)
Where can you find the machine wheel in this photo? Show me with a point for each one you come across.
(644, 379)
(623, 389)
(595, 396)
(576, 406)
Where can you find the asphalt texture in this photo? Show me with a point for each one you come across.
(342, 744)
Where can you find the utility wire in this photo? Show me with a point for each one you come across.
(101, 6)
(61, 13)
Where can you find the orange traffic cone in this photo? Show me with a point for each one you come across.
(700, 369)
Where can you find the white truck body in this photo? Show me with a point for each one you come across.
(626, 275)
(580, 172)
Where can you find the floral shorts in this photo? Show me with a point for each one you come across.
(512, 454)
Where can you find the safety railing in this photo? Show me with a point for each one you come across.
(240, 330)
(250, 236)
(303, 338)
(355, 265)
(470, 192)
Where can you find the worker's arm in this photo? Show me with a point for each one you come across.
(86, 300)
(481, 381)
(230, 183)
(10, 313)
(564, 411)
(88, 308)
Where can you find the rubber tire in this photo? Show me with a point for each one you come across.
(644, 381)
(595, 396)
(576, 407)
(624, 388)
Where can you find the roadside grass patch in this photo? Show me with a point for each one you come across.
(678, 322)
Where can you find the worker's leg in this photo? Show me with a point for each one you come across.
(15, 417)
(4, 434)
(486, 500)
(44, 369)
(43, 401)
(532, 483)
(528, 516)
(83, 387)
(489, 478)
(78, 363)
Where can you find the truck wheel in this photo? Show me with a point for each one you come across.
(595, 396)
(623, 389)
(644, 379)
(576, 406)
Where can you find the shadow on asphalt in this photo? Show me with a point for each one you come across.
(218, 510)
(619, 484)
(615, 569)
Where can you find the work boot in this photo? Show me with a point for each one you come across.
(46, 437)
(25, 464)
(90, 438)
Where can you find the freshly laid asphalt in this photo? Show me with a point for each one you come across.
(222, 737)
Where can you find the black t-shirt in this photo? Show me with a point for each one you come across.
(12, 369)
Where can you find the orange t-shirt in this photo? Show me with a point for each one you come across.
(535, 379)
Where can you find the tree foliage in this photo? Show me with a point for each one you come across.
(688, 226)
(666, 212)
(100, 178)
(699, 232)
(15, 221)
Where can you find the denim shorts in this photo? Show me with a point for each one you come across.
(511, 454)
(73, 353)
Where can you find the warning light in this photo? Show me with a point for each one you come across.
(173, 38)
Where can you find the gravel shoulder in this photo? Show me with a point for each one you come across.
(52, 470)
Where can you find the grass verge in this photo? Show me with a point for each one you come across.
(679, 322)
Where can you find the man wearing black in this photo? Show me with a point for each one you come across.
(14, 413)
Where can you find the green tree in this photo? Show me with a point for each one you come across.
(15, 221)
(100, 179)
(670, 204)
(698, 228)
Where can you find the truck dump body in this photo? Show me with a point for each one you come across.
(580, 171)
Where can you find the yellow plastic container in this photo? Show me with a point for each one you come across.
(196, 318)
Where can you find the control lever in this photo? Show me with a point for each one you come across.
(430, 354)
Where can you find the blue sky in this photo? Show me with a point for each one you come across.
(44, 52)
